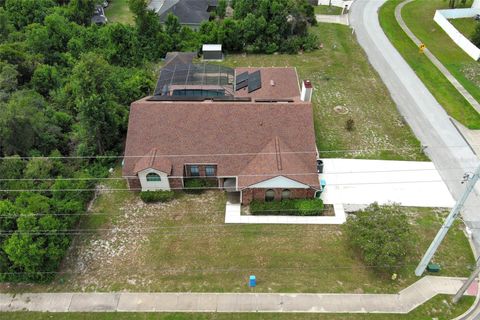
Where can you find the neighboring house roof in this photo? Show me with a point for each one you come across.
(254, 141)
(188, 11)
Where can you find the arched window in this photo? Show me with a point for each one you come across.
(152, 176)
(269, 195)
(285, 194)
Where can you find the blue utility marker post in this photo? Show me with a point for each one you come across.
(252, 282)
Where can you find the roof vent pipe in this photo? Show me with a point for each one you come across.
(307, 91)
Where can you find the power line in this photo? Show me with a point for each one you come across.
(191, 229)
(105, 213)
(236, 269)
(240, 175)
(233, 154)
(242, 233)
(214, 188)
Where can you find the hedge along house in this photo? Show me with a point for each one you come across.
(255, 139)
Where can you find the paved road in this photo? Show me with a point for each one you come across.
(430, 123)
(403, 302)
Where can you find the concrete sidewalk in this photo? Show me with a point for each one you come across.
(403, 302)
(328, 18)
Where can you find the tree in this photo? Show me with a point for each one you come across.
(22, 122)
(8, 80)
(11, 168)
(453, 3)
(101, 118)
(221, 8)
(81, 11)
(5, 26)
(45, 78)
(122, 46)
(15, 53)
(24, 12)
(382, 236)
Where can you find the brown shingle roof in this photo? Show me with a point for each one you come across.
(277, 83)
(151, 160)
(217, 132)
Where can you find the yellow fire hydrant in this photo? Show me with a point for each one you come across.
(421, 47)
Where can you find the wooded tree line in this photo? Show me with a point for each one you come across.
(65, 88)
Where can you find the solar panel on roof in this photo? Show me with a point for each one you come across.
(254, 81)
(241, 77)
(241, 85)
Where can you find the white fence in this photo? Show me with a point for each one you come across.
(441, 18)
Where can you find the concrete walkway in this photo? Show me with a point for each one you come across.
(433, 59)
(403, 302)
(233, 215)
(327, 18)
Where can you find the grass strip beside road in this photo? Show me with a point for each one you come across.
(445, 93)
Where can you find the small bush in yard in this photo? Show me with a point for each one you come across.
(382, 236)
(291, 207)
(156, 196)
(198, 185)
(350, 125)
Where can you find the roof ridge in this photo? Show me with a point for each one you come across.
(152, 159)
(278, 153)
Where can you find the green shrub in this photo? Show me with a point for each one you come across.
(291, 207)
(198, 185)
(382, 236)
(156, 196)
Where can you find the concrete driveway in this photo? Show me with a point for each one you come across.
(361, 182)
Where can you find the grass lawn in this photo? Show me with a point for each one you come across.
(342, 76)
(328, 10)
(439, 308)
(466, 26)
(118, 11)
(419, 17)
(184, 245)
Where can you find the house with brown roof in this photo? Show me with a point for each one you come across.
(248, 131)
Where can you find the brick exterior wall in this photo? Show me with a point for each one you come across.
(175, 183)
(259, 194)
(134, 183)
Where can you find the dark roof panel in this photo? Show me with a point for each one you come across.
(189, 11)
